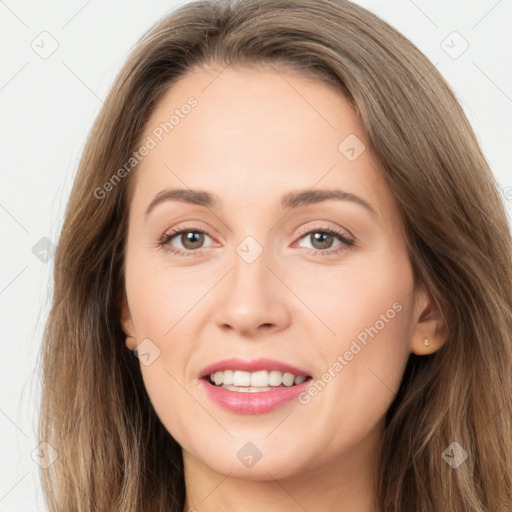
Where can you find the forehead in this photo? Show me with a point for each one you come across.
(250, 132)
(266, 105)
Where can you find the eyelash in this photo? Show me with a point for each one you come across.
(347, 241)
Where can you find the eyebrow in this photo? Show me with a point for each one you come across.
(288, 201)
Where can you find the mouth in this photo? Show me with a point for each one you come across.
(254, 382)
(253, 387)
(253, 375)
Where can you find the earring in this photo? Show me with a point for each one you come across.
(426, 342)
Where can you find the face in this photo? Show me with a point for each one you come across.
(291, 263)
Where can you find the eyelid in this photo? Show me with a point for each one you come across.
(346, 238)
(322, 226)
(178, 230)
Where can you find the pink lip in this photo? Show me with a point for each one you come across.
(252, 366)
(253, 403)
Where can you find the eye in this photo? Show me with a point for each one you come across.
(322, 240)
(191, 240)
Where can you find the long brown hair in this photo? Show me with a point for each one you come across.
(113, 452)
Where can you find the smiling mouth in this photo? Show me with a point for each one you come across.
(254, 382)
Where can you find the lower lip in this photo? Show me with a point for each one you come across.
(253, 403)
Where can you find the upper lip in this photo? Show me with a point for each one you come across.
(253, 365)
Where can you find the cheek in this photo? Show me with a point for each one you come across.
(160, 297)
(168, 393)
(162, 309)
(368, 301)
(372, 319)
(374, 357)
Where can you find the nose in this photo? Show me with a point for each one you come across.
(253, 299)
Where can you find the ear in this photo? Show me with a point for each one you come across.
(127, 324)
(430, 325)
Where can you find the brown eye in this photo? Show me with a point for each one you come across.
(192, 239)
(185, 242)
(321, 240)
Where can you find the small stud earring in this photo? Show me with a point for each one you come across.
(426, 342)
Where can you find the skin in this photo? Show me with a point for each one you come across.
(255, 135)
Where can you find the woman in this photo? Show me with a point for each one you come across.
(200, 356)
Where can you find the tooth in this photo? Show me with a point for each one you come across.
(251, 389)
(288, 379)
(228, 377)
(275, 378)
(259, 378)
(241, 378)
(299, 379)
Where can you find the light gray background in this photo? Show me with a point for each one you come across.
(48, 106)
